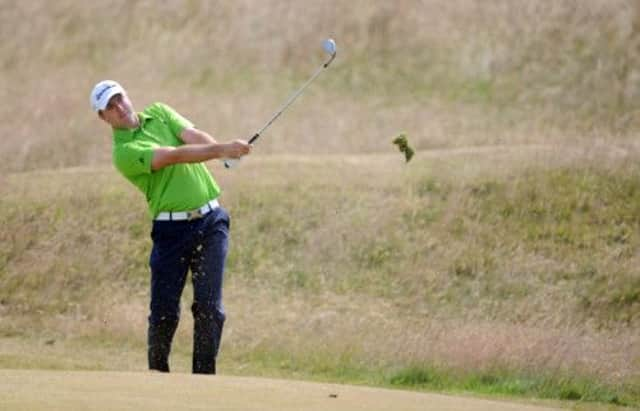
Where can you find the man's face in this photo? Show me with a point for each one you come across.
(119, 112)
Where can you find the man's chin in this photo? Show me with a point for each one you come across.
(129, 122)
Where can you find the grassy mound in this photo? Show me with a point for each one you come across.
(486, 271)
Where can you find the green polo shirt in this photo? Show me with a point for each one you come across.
(179, 187)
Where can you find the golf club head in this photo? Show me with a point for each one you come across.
(329, 46)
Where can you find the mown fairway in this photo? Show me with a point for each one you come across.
(502, 260)
(67, 391)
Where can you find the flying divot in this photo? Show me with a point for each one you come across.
(403, 146)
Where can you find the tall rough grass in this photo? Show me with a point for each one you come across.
(432, 266)
(449, 73)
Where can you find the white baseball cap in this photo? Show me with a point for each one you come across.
(102, 93)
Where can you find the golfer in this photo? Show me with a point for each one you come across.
(161, 153)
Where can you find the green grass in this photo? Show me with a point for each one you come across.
(576, 215)
(108, 353)
(347, 368)
(569, 207)
(318, 235)
(511, 383)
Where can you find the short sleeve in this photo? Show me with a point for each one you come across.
(173, 119)
(133, 158)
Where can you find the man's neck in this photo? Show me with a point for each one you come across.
(131, 126)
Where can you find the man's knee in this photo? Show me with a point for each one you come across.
(164, 310)
(164, 317)
(208, 312)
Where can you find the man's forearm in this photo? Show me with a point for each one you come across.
(188, 153)
(196, 153)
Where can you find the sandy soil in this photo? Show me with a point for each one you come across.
(36, 390)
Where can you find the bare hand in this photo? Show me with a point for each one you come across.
(237, 149)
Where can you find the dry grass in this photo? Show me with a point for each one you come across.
(449, 73)
(311, 276)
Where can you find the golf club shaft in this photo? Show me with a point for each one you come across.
(228, 163)
(291, 99)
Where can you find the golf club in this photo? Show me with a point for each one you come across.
(329, 46)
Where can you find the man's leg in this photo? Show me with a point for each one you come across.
(169, 265)
(207, 271)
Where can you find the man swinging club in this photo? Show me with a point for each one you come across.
(161, 153)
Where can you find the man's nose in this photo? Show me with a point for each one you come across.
(121, 108)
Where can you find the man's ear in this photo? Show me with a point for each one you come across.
(100, 114)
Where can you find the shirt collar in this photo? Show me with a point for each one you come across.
(126, 134)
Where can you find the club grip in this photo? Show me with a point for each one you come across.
(230, 162)
(254, 138)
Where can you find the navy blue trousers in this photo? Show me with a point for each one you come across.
(179, 246)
